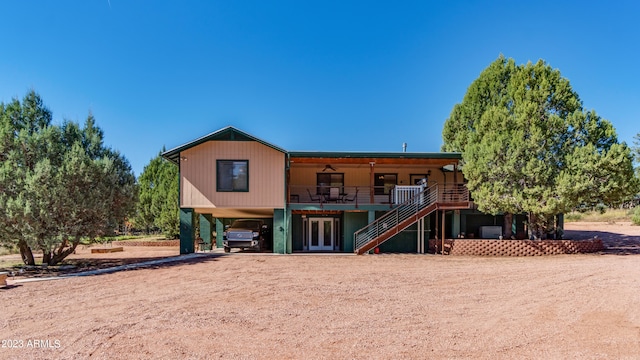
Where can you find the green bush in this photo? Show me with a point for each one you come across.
(635, 218)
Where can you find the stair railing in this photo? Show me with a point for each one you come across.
(393, 218)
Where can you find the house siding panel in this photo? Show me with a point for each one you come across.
(360, 175)
(198, 176)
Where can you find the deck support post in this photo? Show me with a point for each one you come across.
(187, 230)
(372, 182)
(206, 229)
(443, 232)
(421, 236)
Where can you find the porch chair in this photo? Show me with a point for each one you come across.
(334, 194)
(314, 198)
(346, 198)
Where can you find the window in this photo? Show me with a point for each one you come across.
(232, 175)
(384, 183)
(327, 181)
(416, 179)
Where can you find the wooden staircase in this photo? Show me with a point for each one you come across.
(435, 197)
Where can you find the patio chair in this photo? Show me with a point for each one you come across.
(314, 198)
(346, 198)
(334, 194)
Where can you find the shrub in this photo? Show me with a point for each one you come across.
(635, 218)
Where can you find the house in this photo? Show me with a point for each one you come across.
(323, 201)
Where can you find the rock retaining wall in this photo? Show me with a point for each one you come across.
(147, 243)
(485, 247)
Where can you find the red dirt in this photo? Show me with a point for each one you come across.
(339, 306)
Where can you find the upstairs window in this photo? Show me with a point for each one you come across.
(329, 180)
(384, 183)
(232, 175)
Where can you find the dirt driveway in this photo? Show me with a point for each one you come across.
(244, 306)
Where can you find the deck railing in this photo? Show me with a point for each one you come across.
(453, 193)
(346, 195)
(402, 193)
(363, 195)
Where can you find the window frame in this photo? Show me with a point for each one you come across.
(219, 163)
(416, 179)
(324, 188)
(381, 188)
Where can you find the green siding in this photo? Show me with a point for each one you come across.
(474, 220)
(219, 232)
(206, 229)
(455, 223)
(297, 232)
(187, 231)
(353, 221)
(404, 242)
(287, 230)
(281, 232)
(407, 240)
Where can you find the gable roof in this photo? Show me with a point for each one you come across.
(228, 133)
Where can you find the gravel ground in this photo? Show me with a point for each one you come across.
(246, 306)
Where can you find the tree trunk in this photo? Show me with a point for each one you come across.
(559, 226)
(46, 258)
(25, 252)
(508, 223)
(62, 254)
(534, 227)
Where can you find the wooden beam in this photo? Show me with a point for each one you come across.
(443, 232)
(372, 182)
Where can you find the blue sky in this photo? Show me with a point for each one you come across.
(330, 75)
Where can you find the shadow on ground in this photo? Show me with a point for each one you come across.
(618, 244)
(78, 266)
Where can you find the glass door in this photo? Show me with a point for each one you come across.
(321, 234)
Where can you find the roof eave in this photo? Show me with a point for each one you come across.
(173, 155)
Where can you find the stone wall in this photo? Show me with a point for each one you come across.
(147, 243)
(485, 247)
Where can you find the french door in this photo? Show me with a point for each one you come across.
(322, 234)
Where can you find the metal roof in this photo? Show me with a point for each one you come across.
(366, 155)
(228, 133)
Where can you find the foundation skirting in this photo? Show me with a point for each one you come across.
(486, 247)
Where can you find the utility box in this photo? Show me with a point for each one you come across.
(490, 232)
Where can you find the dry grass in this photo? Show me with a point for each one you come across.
(608, 216)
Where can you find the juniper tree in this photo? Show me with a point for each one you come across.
(58, 184)
(528, 146)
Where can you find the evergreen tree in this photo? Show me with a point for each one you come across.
(636, 148)
(157, 198)
(59, 183)
(529, 147)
